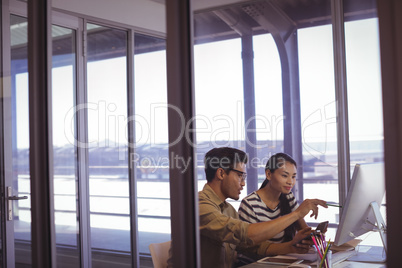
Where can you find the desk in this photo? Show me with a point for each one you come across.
(353, 264)
(345, 264)
(374, 252)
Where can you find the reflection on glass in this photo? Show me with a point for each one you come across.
(152, 157)
(107, 142)
(64, 156)
(20, 142)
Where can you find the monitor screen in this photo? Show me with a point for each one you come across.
(358, 216)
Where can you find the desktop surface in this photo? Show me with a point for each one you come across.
(347, 258)
(344, 264)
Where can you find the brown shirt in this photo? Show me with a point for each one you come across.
(221, 230)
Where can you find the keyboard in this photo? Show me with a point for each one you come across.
(340, 256)
(373, 254)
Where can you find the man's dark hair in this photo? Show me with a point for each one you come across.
(222, 157)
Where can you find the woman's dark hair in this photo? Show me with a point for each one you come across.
(275, 162)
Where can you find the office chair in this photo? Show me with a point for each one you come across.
(160, 254)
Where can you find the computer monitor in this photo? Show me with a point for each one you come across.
(361, 213)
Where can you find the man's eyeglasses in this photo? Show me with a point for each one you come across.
(242, 175)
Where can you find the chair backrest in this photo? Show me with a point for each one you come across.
(160, 254)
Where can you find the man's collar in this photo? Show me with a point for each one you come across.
(213, 196)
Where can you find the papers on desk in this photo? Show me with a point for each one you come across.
(284, 260)
(311, 255)
(293, 258)
(340, 253)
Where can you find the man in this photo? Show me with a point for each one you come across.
(221, 230)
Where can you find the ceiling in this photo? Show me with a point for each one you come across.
(231, 21)
(210, 25)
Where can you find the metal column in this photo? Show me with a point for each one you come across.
(183, 183)
(390, 24)
(249, 109)
(40, 130)
(341, 99)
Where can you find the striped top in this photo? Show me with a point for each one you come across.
(252, 209)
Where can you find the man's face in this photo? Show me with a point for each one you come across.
(233, 182)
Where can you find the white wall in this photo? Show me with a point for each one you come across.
(140, 13)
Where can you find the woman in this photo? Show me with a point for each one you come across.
(274, 199)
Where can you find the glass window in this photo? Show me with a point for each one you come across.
(64, 156)
(318, 115)
(219, 116)
(308, 66)
(364, 83)
(268, 100)
(219, 110)
(151, 157)
(366, 134)
(107, 142)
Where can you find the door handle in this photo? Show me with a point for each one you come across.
(10, 199)
(17, 197)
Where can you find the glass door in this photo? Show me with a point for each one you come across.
(16, 148)
(103, 222)
(19, 214)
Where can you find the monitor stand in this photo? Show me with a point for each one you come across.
(375, 254)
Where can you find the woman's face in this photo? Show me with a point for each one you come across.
(282, 179)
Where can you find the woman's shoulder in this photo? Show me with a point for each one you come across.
(251, 198)
(252, 195)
